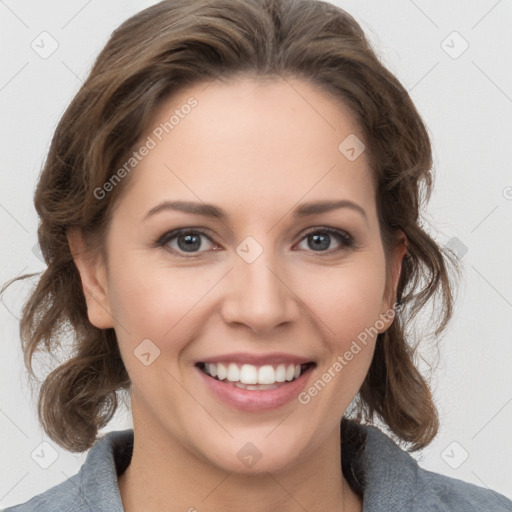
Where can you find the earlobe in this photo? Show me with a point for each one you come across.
(91, 268)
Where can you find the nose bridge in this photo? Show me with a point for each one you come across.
(258, 295)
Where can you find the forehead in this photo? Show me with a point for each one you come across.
(248, 142)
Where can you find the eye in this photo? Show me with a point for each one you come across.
(195, 241)
(186, 240)
(320, 240)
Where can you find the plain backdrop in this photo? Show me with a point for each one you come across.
(453, 57)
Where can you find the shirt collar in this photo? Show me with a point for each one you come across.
(372, 463)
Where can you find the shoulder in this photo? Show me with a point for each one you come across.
(442, 493)
(392, 480)
(64, 497)
(94, 487)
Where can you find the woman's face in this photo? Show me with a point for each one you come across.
(278, 268)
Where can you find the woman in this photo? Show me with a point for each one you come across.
(229, 214)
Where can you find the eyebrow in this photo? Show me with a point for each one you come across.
(210, 210)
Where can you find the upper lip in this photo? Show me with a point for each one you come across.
(257, 359)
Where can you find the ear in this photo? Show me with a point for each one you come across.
(92, 269)
(394, 270)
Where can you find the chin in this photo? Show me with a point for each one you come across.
(256, 454)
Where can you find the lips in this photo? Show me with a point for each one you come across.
(255, 382)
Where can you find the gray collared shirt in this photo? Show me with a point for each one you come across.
(389, 479)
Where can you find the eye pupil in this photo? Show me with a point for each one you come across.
(321, 242)
(192, 242)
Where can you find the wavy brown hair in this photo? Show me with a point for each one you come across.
(152, 55)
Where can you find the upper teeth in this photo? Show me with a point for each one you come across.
(250, 374)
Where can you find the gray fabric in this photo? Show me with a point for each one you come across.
(391, 481)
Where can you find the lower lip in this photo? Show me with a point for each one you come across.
(264, 400)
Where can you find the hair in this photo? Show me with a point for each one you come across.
(152, 55)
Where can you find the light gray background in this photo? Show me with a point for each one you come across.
(466, 101)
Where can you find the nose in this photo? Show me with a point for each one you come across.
(259, 296)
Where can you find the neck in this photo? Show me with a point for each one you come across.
(164, 475)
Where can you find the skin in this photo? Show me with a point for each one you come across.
(258, 149)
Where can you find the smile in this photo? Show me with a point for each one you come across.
(252, 377)
(265, 383)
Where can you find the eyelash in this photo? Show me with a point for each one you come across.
(345, 239)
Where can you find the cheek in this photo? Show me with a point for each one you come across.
(151, 302)
(348, 300)
(163, 306)
(347, 304)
